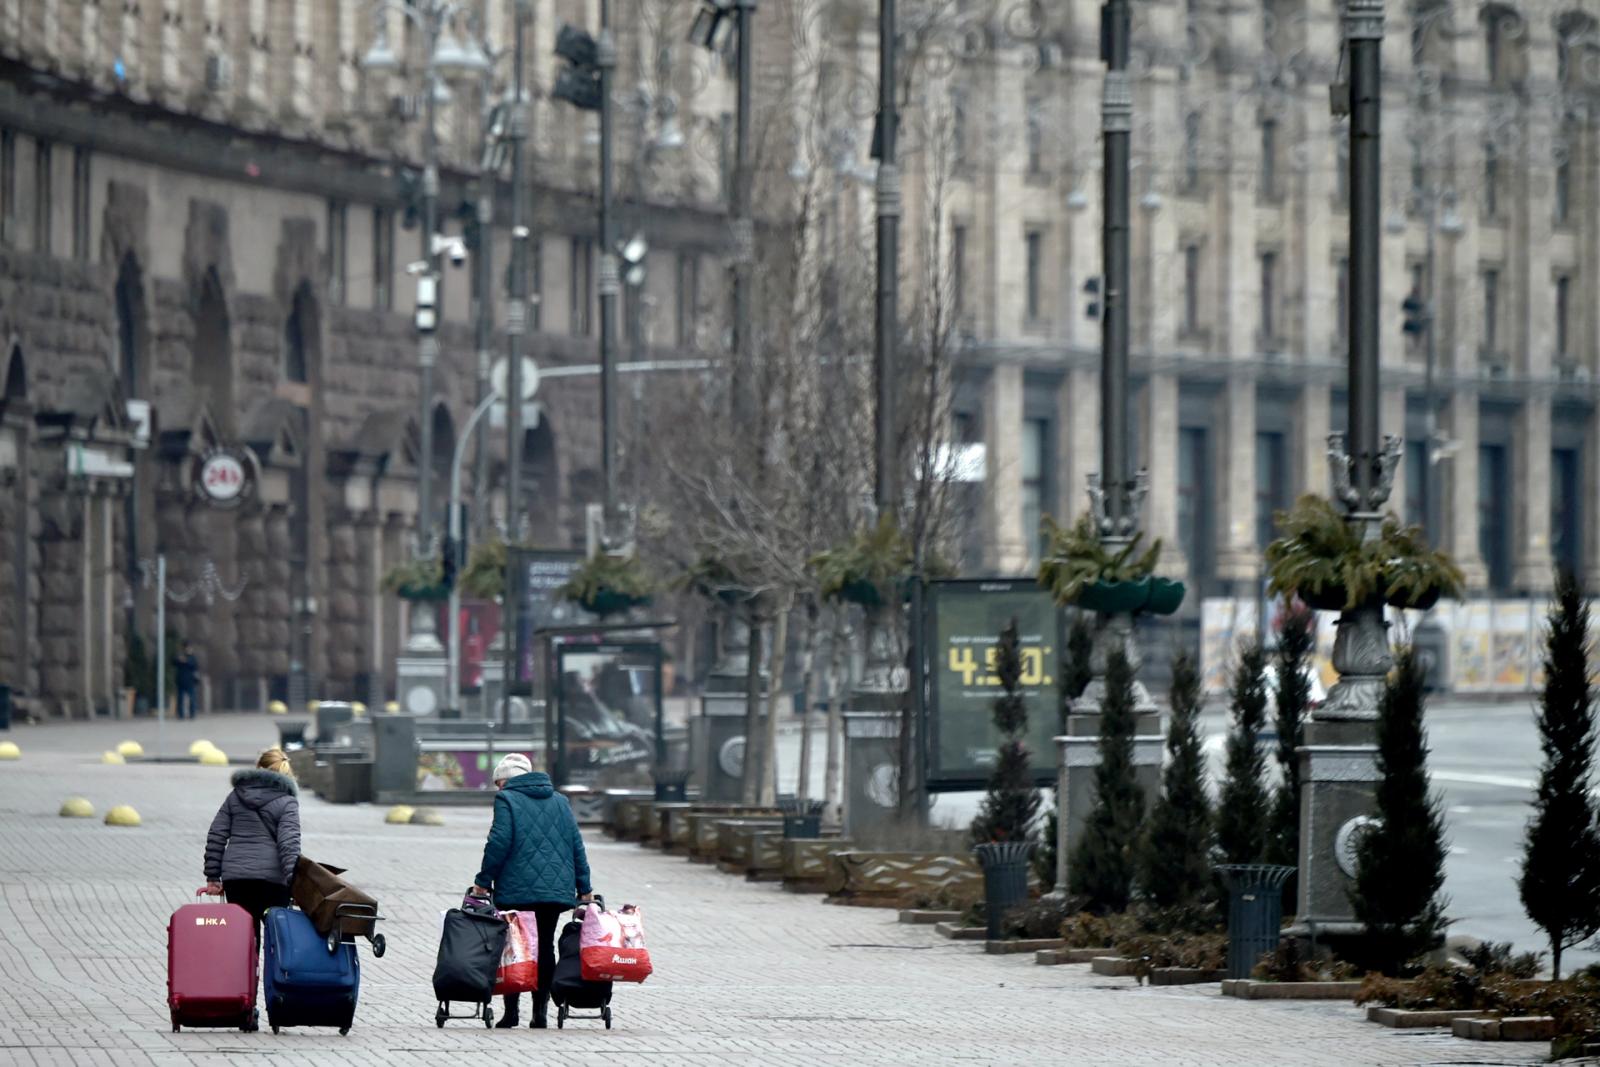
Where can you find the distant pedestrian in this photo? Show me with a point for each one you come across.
(188, 672)
(534, 861)
(254, 842)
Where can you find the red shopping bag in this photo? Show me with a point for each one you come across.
(519, 963)
(611, 947)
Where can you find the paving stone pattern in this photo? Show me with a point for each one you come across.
(745, 973)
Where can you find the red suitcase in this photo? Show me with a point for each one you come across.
(211, 966)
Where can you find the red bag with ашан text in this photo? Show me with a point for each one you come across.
(611, 945)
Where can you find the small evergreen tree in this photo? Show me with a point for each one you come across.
(1400, 861)
(1103, 864)
(1560, 881)
(1295, 641)
(1242, 806)
(1176, 861)
(1012, 803)
(1076, 673)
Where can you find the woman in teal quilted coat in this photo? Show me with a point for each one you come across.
(534, 861)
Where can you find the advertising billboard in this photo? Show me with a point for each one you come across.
(962, 625)
(536, 577)
(608, 714)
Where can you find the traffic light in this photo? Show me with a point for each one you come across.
(1091, 289)
(449, 560)
(579, 82)
(1416, 314)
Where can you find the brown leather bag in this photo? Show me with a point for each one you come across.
(318, 891)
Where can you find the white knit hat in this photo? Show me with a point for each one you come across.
(511, 766)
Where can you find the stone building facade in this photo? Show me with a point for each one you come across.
(1239, 245)
(203, 210)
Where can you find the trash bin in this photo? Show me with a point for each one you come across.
(1255, 912)
(5, 707)
(802, 819)
(672, 787)
(1005, 879)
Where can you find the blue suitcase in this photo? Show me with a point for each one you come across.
(305, 984)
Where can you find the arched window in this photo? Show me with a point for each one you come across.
(1577, 52)
(16, 375)
(1505, 43)
(130, 326)
(212, 353)
(300, 337)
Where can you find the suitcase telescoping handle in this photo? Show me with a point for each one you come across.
(594, 898)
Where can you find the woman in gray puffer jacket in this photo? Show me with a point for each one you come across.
(254, 842)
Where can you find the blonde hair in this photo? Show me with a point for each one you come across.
(274, 759)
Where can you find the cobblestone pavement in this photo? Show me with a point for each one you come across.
(745, 973)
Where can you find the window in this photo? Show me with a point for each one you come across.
(1191, 151)
(1561, 194)
(1035, 246)
(1566, 531)
(338, 252)
(1272, 484)
(1269, 296)
(1416, 461)
(1491, 182)
(8, 187)
(1194, 512)
(1502, 27)
(1416, 342)
(1191, 289)
(580, 317)
(1035, 134)
(1341, 169)
(42, 184)
(1563, 312)
(1493, 533)
(958, 127)
(958, 271)
(688, 297)
(1269, 159)
(1035, 466)
(1341, 311)
(382, 259)
(535, 267)
(1491, 310)
(80, 204)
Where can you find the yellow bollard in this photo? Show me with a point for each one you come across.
(212, 757)
(277, 707)
(313, 705)
(399, 815)
(111, 757)
(199, 747)
(9, 750)
(358, 709)
(426, 817)
(130, 749)
(393, 707)
(122, 815)
(77, 808)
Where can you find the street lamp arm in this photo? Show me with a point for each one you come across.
(455, 462)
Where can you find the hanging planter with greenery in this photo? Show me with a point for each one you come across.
(713, 579)
(609, 585)
(484, 576)
(1321, 558)
(1080, 569)
(867, 569)
(417, 579)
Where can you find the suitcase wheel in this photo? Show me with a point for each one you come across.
(176, 1027)
(605, 1013)
(439, 1017)
(379, 945)
(343, 1031)
(561, 1018)
(274, 1027)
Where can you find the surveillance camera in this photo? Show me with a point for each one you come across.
(457, 253)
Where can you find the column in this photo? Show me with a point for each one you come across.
(1003, 432)
(1238, 557)
(1530, 503)
(1460, 479)
(1160, 418)
(1078, 403)
(1311, 448)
